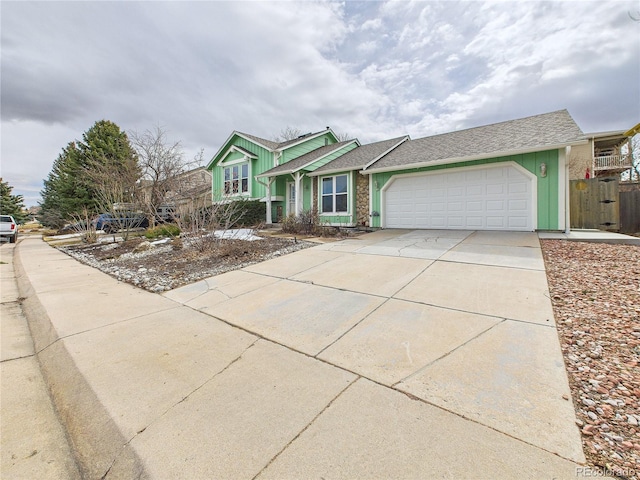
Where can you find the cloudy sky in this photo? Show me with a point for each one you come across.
(371, 69)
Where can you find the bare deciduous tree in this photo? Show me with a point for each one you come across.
(162, 163)
(208, 222)
(343, 137)
(116, 192)
(287, 133)
(291, 133)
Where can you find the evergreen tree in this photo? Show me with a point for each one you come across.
(11, 204)
(70, 187)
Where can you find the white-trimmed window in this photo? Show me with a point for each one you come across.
(334, 193)
(236, 179)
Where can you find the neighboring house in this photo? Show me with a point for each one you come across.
(604, 154)
(183, 193)
(506, 176)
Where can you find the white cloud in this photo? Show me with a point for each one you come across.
(373, 69)
(372, 24)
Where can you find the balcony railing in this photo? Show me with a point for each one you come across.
(612, 162)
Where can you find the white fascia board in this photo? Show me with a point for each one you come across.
(246, 153)
(335, 170)
(325, 155)
(221, 149)
(246, 157)
(302, 167)
(447, 161)
(271, 175)
(252, 141)
(310, 137)
(601, 135)
(393, 147)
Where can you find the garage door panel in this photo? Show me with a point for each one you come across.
(474, 206)
(493, 198)
(496, 223)
(518, 187)
(495, 205)
(495, 189)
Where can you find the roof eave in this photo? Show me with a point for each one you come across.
(252, 140)
(226, 143)
(335, 170)
(302, 167)
(447, 161)
(393, 147)
(309, 137)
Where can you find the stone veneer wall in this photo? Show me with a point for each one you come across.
(362, 199)
(314, 194)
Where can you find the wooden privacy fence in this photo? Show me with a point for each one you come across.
(594, 203)
(605, 204)
(629, 207)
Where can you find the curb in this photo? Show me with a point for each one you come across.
(95, 440)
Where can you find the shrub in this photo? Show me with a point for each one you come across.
(307, 223)
(252, 213)
(164, 230)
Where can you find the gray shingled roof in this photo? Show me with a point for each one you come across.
(357, 158)
(245, 151)
(279, 145)
(305, 159)
(298, 139)
(262, 141)
(540, 132)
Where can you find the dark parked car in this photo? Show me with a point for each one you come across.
(123, 221)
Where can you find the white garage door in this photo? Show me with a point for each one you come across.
(487, 198)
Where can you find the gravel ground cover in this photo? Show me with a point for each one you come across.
(179, 261)
(595, 292)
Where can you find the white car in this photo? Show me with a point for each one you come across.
(8, 228)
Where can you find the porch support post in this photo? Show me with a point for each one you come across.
(268, 197)
(298, 186)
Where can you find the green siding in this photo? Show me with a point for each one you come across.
(548, 191)
(259, 165)
(341, 220)
(233, 156)
(324, 160)
(305, 147)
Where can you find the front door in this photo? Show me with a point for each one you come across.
(291, 198)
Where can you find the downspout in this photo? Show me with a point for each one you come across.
(268, 197)
(567, 212)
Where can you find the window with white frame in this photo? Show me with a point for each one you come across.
(236, 179)
(334, 194)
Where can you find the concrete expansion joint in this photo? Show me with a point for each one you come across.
(494, 266)
(424, 367)
(183, 399)
(352, 327)
(306, 427)
(477, 422)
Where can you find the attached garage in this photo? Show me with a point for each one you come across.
(498, 196)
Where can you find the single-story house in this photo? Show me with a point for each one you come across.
(511, 175)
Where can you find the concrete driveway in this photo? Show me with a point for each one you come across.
(460, 322)
(398, 354)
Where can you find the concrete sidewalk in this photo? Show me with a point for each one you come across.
(33, 441)
(219, 380)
